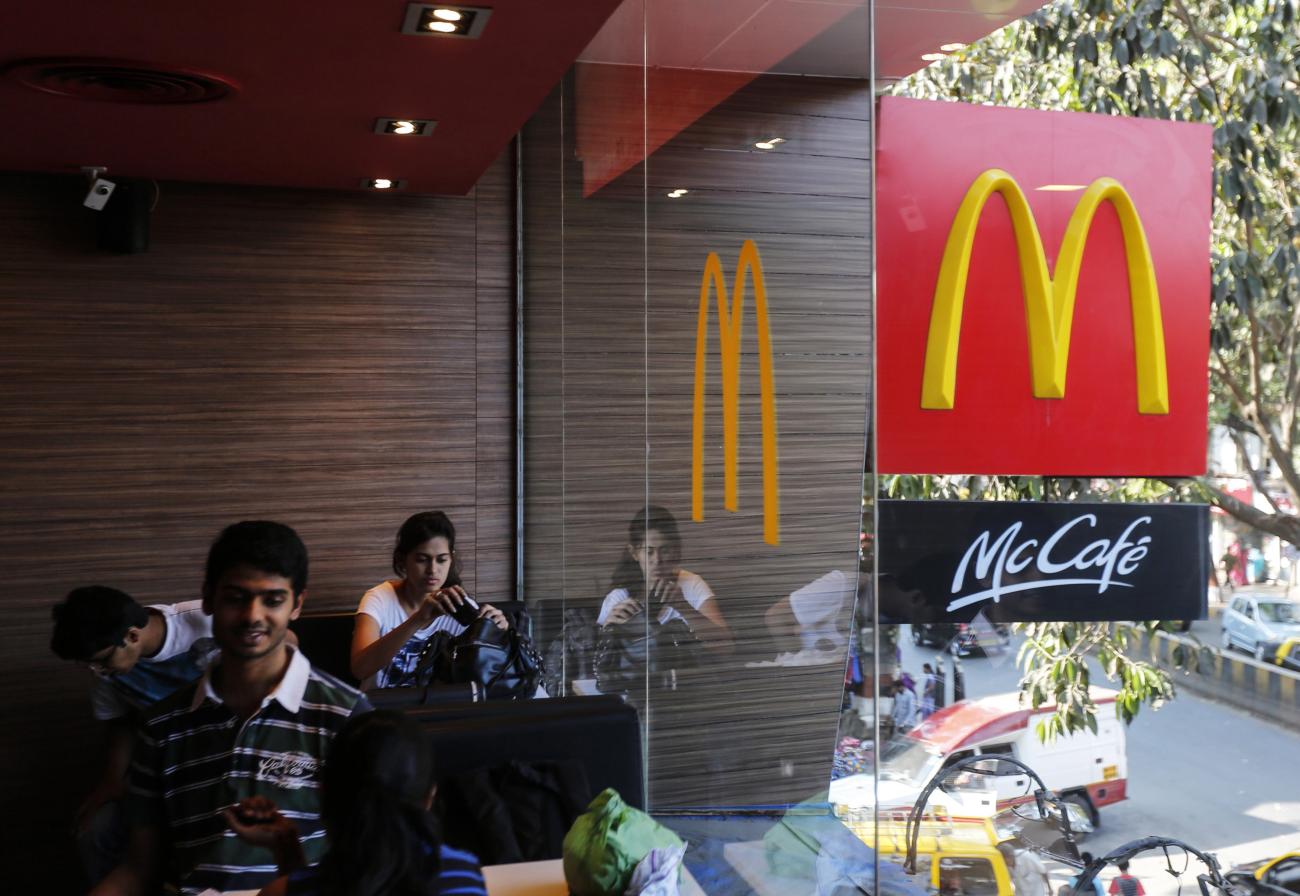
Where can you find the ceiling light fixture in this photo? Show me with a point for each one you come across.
(1060, 188)
(933, 57)
(952, 48)
(383, 183)
(405, 127)
(678, 193)
(437, 20)
(769, 143)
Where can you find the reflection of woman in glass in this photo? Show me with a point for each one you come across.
(651, 559)
(397, 617)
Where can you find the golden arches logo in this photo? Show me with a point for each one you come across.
(1049, 302)
(730, 317)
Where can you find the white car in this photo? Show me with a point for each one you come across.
(1259, 623)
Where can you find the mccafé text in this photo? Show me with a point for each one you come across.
(997, 563)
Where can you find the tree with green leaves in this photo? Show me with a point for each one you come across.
(1235, 65)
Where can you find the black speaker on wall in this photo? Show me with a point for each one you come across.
(124, 221)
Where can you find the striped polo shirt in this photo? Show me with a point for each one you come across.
(194, 758)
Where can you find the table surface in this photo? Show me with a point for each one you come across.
(547, 879)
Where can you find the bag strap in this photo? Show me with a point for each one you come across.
(511, 658)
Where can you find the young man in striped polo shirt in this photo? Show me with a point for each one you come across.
(258, 723)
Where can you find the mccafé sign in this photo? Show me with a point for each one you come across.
(1025, 561)
(1043, 292)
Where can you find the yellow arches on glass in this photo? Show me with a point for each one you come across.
(1049, 303)
(730, 316)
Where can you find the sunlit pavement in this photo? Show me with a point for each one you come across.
(1199, 771)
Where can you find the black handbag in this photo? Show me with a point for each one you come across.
(629, 653)
(503, 663)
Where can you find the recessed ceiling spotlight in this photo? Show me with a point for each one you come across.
(383, 183)
(952, 48)
(933, 57)
(405, 127)
(769, 143)
(437, 20)
(678, 193)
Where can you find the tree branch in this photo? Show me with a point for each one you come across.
(1284, 526)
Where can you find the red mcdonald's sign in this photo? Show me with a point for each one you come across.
(1043, 289)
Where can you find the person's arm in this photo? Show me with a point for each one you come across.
(617, 608)
(622, 612)
(118, 740)
(371, 651)
(707, 621)
(257, 820)
(141, 873)
(781, 622)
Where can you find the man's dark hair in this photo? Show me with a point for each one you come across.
(1122, 865)
(263, 545)
(92, 618)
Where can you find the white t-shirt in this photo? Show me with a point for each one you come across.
(816, 607)
(382, 604)
(694, 589)
(186, 651)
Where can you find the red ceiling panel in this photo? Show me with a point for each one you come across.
(311, 78)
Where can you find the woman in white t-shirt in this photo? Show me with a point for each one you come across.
(397, 617)
(652, 559)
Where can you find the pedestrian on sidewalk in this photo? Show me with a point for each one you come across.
(904, 713)
(1029, 875)
(1125, 884)
(928, 689)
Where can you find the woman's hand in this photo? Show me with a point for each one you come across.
(667, 593)
(443, 602)
(487, 611)
(623, 611)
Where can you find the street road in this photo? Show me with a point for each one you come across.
(1200, 771)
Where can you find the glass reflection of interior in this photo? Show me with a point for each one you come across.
(697, 382)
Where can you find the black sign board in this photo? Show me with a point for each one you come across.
(946, 561)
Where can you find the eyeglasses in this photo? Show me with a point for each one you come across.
(99, 663)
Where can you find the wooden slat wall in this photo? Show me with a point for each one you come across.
(611, 301)
(334, 361)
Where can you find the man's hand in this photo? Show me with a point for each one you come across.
(623, 611)
(257, 820)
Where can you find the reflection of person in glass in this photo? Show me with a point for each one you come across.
(649, 577)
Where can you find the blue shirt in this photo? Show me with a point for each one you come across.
(459, 875)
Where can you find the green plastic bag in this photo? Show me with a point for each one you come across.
(605, 844)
